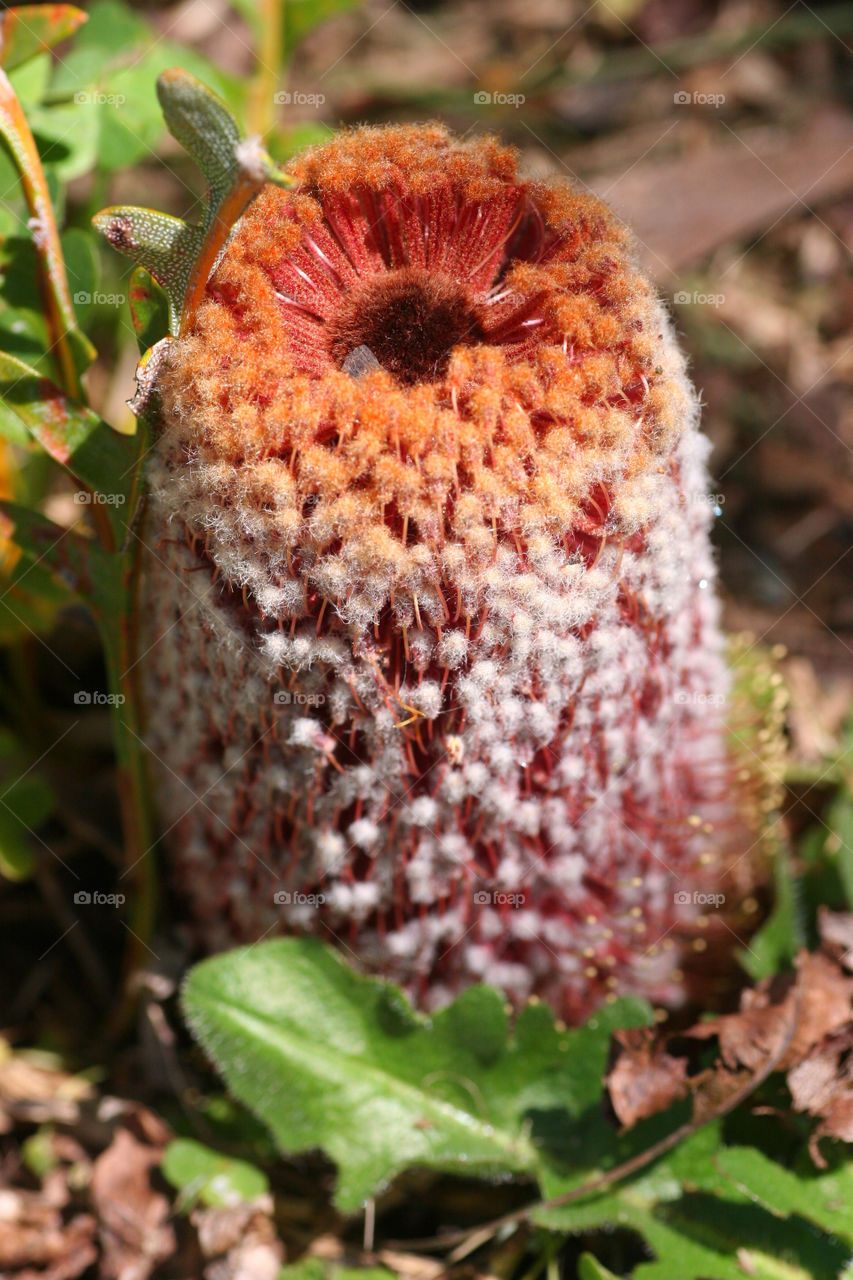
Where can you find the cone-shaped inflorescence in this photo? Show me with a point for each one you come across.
(431, 647)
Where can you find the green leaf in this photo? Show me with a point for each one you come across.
(778, 941)
(327, 1269)
(149, 309)
(331, 1059)
(68, 139)
(71, 348)
(179, 255)
(29, 29)
(81, 267)
(213, 1179)
(24, 805)
(30, 80)
(825, 1199)
(589, 1268)
(302, 16)
(203, 124)
(75, 437)
(166, 247)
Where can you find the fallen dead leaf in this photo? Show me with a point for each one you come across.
(240, 1242)
(746, 1037)
(822, 1086)
(33, 1235)
(644, 1079)
(133, 1217)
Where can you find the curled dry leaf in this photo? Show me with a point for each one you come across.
(644, 1079)
(135, 1233)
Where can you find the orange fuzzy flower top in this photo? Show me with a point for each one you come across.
(514, 366)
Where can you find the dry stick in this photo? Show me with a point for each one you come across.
(605, 1180)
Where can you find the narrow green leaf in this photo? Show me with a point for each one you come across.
(149, 309)
(203, 124)
(783, 935)
(589, 1268)
(81, 267)
(15, 131)
(75, 437)
(29, 29)
(166, 247)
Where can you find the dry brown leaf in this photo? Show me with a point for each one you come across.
(644, 1079)
(133, 1217)
(836, 932)
(240, 1241)
(747, 1037)
(27, 1081)
(32, 1234)
(822, 1086)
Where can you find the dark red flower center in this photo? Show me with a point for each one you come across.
(410, 319)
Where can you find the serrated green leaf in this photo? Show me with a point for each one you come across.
(826, 1199)
(203, 1175)
(48, 547)
(308, 1045)
(29, 29)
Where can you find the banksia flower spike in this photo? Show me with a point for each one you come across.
(431, 650)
